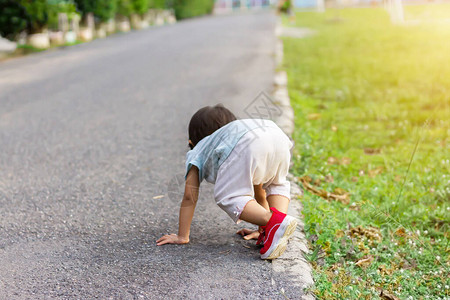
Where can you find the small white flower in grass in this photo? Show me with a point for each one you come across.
(446, 287)
(393, 202)
(438, 286)
(425, 232)
(396, 244)
(336, 272)
(448, 207)
(410, 297)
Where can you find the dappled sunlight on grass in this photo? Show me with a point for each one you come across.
(366, 93)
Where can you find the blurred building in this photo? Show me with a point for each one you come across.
(228, 5)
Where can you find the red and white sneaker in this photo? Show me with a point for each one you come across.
(277, 233)
(260, 240)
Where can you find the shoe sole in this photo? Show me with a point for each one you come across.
(282, 243)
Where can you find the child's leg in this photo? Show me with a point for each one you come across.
(260, 196)
(281, 203)
(255, 214)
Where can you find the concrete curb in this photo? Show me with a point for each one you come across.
(292, 262)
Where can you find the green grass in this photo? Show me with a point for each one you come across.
(365, 94)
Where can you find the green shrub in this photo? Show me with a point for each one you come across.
(102, 9)
(105, 10)
(37, 14)
(158, 4)
(192, 8)
(86, 6)
(58, 6)
(140, 6)
(13, 18)
(286, 6)
(125, 8)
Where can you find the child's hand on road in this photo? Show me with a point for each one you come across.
(249, 234)
(172, 239)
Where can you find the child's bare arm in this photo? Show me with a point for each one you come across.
(187, 208)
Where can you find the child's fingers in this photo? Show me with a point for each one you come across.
(244, 231)
(160, 239)
(253, 235)
(163, 240)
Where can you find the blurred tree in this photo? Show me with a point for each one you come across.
(105, 9)
(140, 6)
(37, 14)
(59, 6)
(161, 4)
(285, 6)
(13, 19)
(125, 8)
(192, 8)
(85, 6)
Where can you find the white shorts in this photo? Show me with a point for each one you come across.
(261, 156)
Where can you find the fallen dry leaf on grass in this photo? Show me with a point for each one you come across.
(374, 172)
(386, 296)
(329, 178)
(339, 191)
(383, 270)
(400, 232)
(371, 233)
(313, 116)
(344, 197)
(332, 161)
(372, 151)
(345, 161)
(364, 262)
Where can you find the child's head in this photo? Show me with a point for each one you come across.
(207, 120)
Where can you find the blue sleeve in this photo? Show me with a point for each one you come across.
(193, 159)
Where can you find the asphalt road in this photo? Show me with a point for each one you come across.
(93, 136)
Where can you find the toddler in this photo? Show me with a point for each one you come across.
(248, 161)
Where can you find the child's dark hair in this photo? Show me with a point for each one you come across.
(207, 120)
